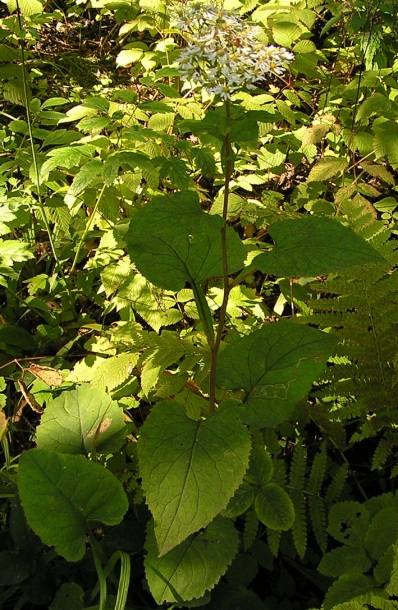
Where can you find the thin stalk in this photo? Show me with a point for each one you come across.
(100, 572)
(229, 165)
(87, 229)
(34, 157)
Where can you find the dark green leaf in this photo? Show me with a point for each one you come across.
(193, 567)
(274, 508)
(276, 367)
(172, 241)
(314, 245)
(190, 469)
(60, 493)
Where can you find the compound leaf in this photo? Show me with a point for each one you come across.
(314, 245)
(194, 566)
(190, 469)
(172, 241)
(276, 367)
(60, 493)
(82, 421)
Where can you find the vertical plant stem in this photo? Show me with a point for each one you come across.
(34, 159)
(229, 165)
(86, 229)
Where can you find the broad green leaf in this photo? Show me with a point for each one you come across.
(193, 567)
(86, 176)
(27, 7)
(344, 560)
(327, 168)
(161, 122)
(172, 241)
(83, 421)
(190, 469)
(274, 508)
(65, 157)
(261, 467)
(314, 245)
(69, 596)
(285, 33)
(386, 141)
(304, 46)
(61, 493)
(383, 532)
(114, 371)
(275, 366)
(127, 57)
(13, 251)
(241, 501)
(175, 170)
(286, 111)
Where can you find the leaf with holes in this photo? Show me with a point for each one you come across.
(190, 469)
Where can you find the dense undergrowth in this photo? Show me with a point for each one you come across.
(198, 309)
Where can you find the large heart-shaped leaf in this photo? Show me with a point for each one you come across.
(60, 493)
(275, 366)
(190, 469)
(172, 241)
(194, 566)
(82, 421)
(314, 245)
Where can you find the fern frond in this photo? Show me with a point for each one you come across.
(318, 471)
(317, 512)
(274, 540)
(316, 505)
(335, 487)
(296, 485)
(250, 529)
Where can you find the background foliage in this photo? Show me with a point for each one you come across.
(177, 429)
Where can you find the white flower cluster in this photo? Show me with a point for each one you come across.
(224, 53)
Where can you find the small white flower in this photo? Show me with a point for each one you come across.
(224, 53)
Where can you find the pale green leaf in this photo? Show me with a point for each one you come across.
(275, 366)
(114, 371)
(286, 111)
(315, 134)
(86, 176)
(379, 171)
(172, 241)
(61, 493)
(161, 121)
(30, 7)
(327, 168)
(13, 251)
(126, 57)
(194, 566)
(285, 33)
(376, 103)
(190, 469)
(83, 421)
(314, 245)
(304, 46)
(386, 141)
(274, 508)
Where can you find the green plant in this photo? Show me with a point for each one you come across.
(163, 273)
